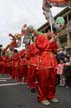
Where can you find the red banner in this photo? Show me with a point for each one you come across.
(58, 1)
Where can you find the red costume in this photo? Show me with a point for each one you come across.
(32, 73)
(26, 70)
(8, 67)
(22, 65)
(47, 64)
(2, 65)
(15, 71)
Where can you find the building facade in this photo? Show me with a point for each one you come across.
(64, 38)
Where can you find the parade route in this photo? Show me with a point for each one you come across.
(17, 95)
(7, 81)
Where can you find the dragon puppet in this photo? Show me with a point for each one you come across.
(28, 33)
(15, 41)
(58, 24)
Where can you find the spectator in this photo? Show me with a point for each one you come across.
(61, 79)
(67, 71)
(61, 54)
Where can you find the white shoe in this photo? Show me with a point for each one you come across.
(45, 102)
(54, 100)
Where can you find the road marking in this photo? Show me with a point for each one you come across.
(2, 80)
(9, 84)
(5, 78)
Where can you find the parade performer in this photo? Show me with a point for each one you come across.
(2, 64)
(32, 72)
(47, 65)
(28, 33)
(26, 64)
(22, 65)
(15, 70)
(9, 65)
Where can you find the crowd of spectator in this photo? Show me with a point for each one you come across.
(63, 69)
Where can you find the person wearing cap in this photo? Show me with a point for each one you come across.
(47, 63)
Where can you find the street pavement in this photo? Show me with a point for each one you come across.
(16, 95)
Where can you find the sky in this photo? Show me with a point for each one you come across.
(15, 13)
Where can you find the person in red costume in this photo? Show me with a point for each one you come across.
(32, 73)
(2, 64)
(27, 58)
(22, 65)
(15, 71)
(47, 64)
(8, 65)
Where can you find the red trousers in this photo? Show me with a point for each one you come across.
(32, 77)
(25, 73)
(2, 67)
(15, 70)
(46, 84)
(8, 68)
(15, 73)
(21, 71)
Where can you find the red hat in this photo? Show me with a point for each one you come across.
(22, 53)
(41, 42)
(16, 56)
